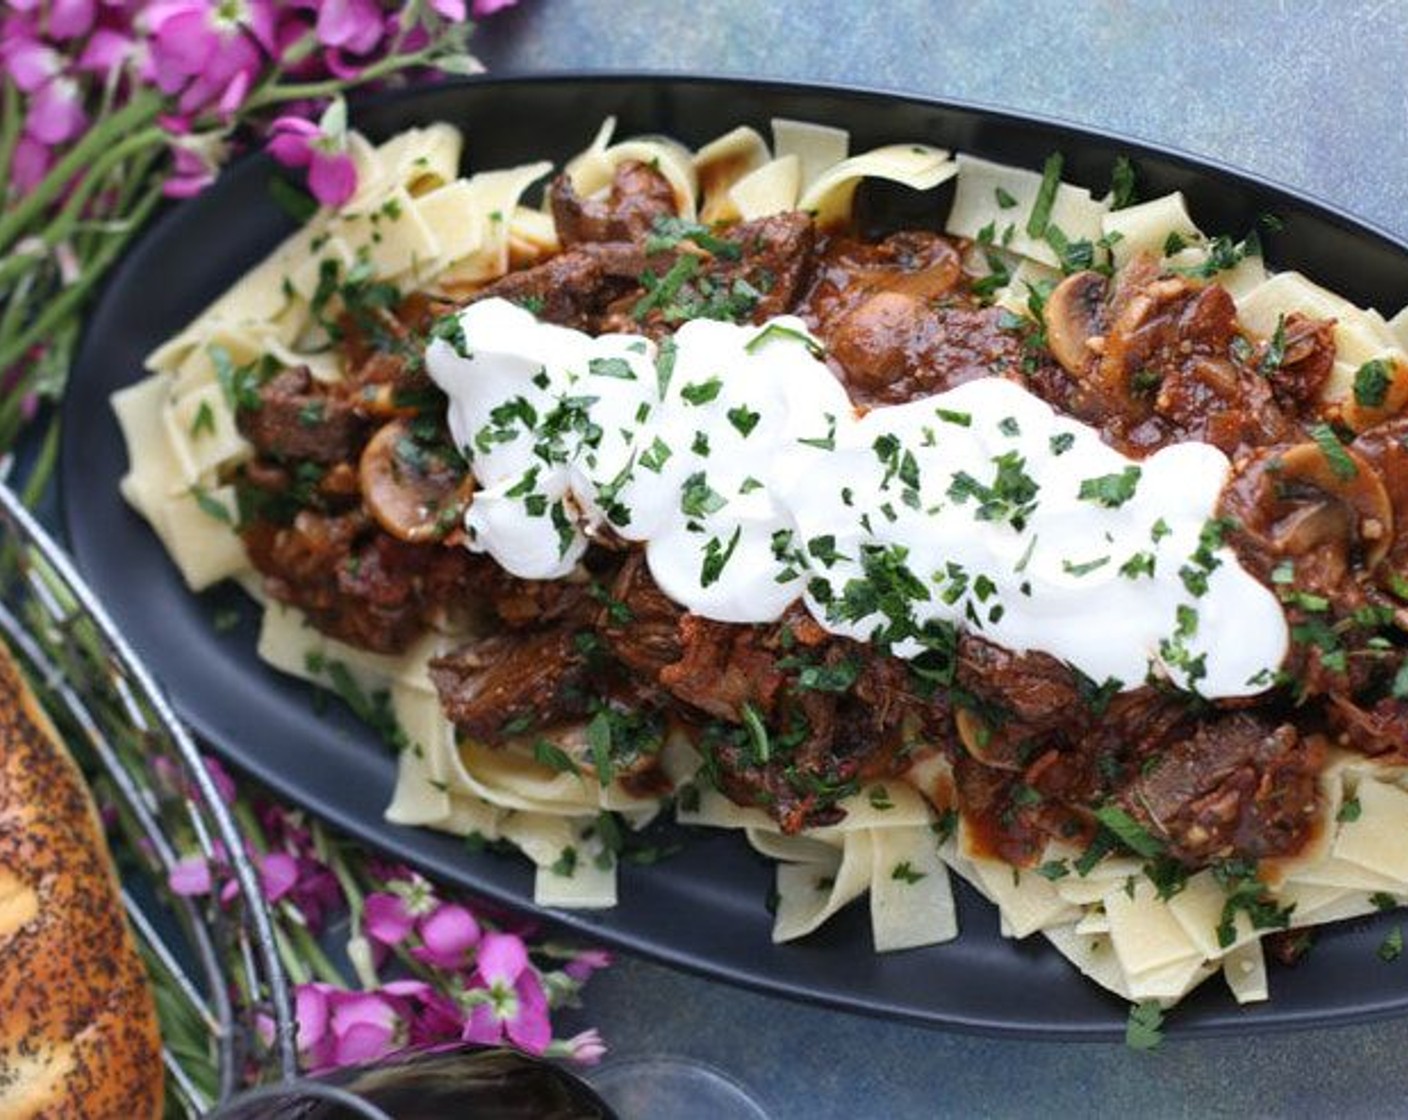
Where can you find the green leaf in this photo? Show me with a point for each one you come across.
(1129, 832)
(1040, 216)
(1144, 1029)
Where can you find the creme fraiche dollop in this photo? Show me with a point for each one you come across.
(736, 458)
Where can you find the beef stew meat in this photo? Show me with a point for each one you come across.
(786, 716)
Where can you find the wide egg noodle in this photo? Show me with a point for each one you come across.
(490, 200)
(976, 208)
(911, 897)
(1147, 226)
(917, 166)
(816, 147)
(205, 548)
(771, 189)
(591, 172)
(721, 163)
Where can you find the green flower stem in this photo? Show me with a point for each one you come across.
(138, 112)
(148, 139)
(288, 953)
(67, 301)
(11, 116)
(312, 91)
(135, 176)
(312, 953)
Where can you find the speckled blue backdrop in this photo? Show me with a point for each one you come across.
(1311, 93)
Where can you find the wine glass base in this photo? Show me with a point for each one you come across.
(672, 1088)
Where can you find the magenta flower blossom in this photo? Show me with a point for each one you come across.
(322, 149)
(484, 8)
(349, 25)
(190, 876)
(209, 54)
(409, 910)
(588, 1047)
(512, 1003)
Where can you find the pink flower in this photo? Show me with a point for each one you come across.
(512, 1002)
(585, 962)
(446, 931)
(190, 876)
(30, 163)
(447, 935)
(68, 19)
(364, 1027)
(56, 112)
(350, 25)
(452, 10)
(484, 8)
(587, 1048)
(322, 148)
(209, 53)
(30, 63)
(278, 873)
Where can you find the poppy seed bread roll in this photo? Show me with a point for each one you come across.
(78, 1026)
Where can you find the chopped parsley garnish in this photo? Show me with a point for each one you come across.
(1084, 568)
(904, 872)
(203, 423)
(1330, 446)
(1122, 184)
(1062, 442)
(948, 416)
(1144, 1030)
(1392, 947)
(1140, 564)
(599, 744)
(826, 442)
(1040, 216)
(1010, 497)
(665, 364)
(655, 456)
(618, 368)
(698, 498)
(554, 757)
(744, 419)
(211, 507)
(775, 331)
(702, 392)
(1371, 383)
(1110, 490)
(1004, 198)
(880, 799)
(1129, 832)
(668, 231)
(660, 290)
(716, 557)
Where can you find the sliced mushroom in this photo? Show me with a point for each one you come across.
(417, 491)
(1298, 500)
(1074, 314)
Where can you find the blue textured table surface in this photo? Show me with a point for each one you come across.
(1310, 93)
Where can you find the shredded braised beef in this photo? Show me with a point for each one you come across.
(351, 503)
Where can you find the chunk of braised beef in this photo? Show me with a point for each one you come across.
(775, 259)
(722, 667)
(640, 623)
(638, 195)
(1307, 358)
(491, 688)
(1240, 786)
(575, 288)
(298, 418)
(522, 603)
(354, 582)
(1026, 693)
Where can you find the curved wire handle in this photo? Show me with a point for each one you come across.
(56, 624)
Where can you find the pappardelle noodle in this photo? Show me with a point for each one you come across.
(1065, 549)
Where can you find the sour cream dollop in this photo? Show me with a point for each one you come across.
(735, 456)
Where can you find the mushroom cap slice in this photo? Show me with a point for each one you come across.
(1074, 314)
(416, 491)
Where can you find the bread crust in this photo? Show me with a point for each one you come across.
(78, 1025)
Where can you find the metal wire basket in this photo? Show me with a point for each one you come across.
(218, 960)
